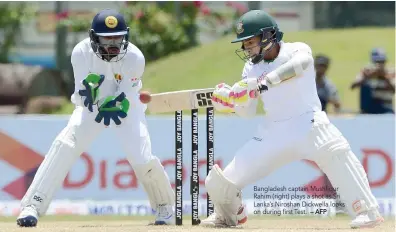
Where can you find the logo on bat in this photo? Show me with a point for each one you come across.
(204, 99)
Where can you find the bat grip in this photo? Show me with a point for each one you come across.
(262, 88)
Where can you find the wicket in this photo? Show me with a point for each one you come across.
(194, 179)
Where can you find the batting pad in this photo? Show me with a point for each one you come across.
(156, 183)
(225, 195)
(347, 175)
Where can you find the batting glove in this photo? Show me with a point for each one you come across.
(245, 90)
(221, 98)
(113, 108)
(91, 92)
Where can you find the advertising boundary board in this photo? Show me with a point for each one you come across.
(103, 173)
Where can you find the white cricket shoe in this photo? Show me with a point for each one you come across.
(28, 217)
(165, 215)
(215, 220)
(368, 219)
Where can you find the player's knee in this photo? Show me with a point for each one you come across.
(334, 146)
(332, 150)
(152, 167)
(220, 187)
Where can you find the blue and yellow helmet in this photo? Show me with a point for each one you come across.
(109, 35)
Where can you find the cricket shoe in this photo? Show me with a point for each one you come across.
(368, 219)
(28, 217)
(165, 215)
(215, 220)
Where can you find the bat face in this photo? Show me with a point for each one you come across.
(181, 100)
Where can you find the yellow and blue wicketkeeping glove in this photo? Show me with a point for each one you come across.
(91, 92)
(113, 108)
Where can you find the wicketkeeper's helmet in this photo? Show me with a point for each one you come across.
(109, 23)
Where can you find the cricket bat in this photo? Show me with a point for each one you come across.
(180, 100)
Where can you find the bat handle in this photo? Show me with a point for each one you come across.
(262, 88)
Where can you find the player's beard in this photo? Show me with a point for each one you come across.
(113, 50)
(109, 52)
(110, 47)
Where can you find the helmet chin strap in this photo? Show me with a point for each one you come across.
(260, 56)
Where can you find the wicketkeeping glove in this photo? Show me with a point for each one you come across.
(113, 108)
(91, 92)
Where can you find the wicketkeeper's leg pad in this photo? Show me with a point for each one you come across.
(225, 195)
(64, 152)
(156, 183)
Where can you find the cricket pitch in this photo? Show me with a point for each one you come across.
(137, 224)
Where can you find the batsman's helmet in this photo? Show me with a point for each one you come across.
(109, 23)
(257, 23)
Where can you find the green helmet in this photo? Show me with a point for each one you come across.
(257, 23)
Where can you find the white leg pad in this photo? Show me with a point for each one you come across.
(225, 195)
(52, 171)
(346, 173)
(156, 183)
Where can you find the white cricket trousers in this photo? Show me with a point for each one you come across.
(310, 136)
(76, 138)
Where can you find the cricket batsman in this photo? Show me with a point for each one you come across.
(282, 76)
(107, 72)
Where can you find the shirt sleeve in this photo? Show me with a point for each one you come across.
(300, 59)
(80, 71)
(359, 76)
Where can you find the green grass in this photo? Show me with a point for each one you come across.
(207, 65)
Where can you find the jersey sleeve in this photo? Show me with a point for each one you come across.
(299, 59)
(359, 76)
(80, 71)
(301, 47)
